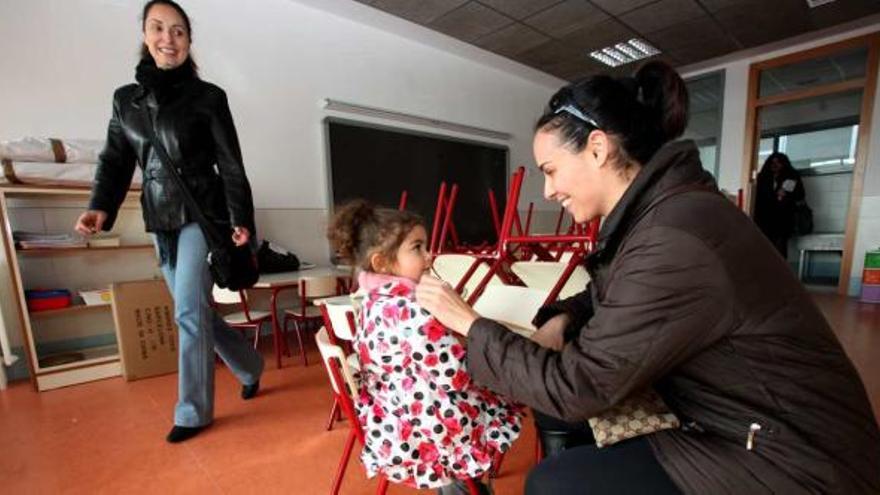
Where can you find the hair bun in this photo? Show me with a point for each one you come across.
(344, 230)
(664, 94)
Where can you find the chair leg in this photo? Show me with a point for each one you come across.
(496, 465)
(383, 485)
(257, 329)
(539, 450)
(299, 340)
(343, 462)
(284, 337)
(473, 489)
(334, 413)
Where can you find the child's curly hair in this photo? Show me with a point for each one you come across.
(360, 229)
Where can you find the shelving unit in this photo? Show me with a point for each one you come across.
(83, 332)
(78, 250)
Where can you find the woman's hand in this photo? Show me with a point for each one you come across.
(240, 236)
(90, 222)
(441, 300)
(551, 333)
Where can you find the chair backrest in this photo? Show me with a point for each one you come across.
(333, 355)
(339, 322)
(452, 267)
(226, 296)
(511, 305)
(314, 287)
(544, 275)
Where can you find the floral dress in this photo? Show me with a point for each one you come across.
(425, 422)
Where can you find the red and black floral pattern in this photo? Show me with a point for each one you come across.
(425, 422)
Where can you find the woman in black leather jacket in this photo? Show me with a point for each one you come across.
(191, 118)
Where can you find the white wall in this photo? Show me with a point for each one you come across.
(277, 61)
(736, 67)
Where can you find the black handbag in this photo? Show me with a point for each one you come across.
(803, 218)
(232, 267)
(273, 261)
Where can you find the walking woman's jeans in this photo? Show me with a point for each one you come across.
(202, 332)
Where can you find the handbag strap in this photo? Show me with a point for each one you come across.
(208, 228)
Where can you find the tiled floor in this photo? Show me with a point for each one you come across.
(108, 436)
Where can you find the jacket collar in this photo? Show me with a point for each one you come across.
(675, 165)
(141, 92)
(388, 285)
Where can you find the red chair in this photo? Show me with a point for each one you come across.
(310, 288)
(339, 320)
(344, 387)
(244, 319)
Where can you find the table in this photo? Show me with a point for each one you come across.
(277, 282)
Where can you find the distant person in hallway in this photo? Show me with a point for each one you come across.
(779, 188)
(192, 118)
(686, 298)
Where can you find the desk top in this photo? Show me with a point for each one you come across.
(287, 279)
(343, 300)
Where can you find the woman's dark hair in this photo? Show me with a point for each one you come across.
(145, 53)
(781, 158)
(642, 112)
(359, 229)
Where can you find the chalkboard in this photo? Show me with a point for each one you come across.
(378, 163)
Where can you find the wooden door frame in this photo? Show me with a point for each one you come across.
(867, 84)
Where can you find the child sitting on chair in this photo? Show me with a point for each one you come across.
(426, 424)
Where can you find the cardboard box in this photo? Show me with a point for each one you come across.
(145, 329)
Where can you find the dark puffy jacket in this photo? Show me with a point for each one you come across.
(689, 297)
(195, 125)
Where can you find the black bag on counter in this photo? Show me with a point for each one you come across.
(803, 218)
(273, 260)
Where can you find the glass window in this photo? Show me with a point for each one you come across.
(842, 66)
(706, 96)
(818, 134)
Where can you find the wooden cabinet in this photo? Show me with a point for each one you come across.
(78, 343)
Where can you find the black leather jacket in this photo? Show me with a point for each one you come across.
(195, 125)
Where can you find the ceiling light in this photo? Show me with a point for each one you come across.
(605, 59)
(624, 53)
(816, 3)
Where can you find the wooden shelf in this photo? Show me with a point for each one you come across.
(78, 250)
(66, 326)
(94, 355)
(76, 308)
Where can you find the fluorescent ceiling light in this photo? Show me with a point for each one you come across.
(624, 53)
(816, 3)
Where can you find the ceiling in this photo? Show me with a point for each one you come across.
(556, 36)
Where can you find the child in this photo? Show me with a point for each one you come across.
(426, 424)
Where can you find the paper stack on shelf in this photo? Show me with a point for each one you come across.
(41, 240)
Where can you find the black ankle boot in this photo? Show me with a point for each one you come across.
(181, 433)
(553, 442)
(249, 391)
(459, 487)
